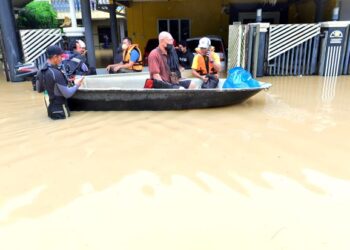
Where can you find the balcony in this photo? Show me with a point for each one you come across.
(99, 9)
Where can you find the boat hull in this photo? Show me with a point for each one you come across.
(126, 92)
(105, 100)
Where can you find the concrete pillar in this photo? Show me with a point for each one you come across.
(72, 13)
(86, 16)
(262, 29)
(10, 41)
(320, 7)
(73, 32)
(113, 24)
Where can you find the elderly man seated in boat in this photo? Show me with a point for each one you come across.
(132, 59)
(163, 65)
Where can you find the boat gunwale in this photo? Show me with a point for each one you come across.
(264, 86)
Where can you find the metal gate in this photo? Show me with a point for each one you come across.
(35, 42)
(236, 48)
(293, 49)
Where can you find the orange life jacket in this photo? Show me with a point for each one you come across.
(126, 58)
(202, 67)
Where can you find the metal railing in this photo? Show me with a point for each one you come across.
(95, 5)
(63, 5)
(35, 42)
(293, 49)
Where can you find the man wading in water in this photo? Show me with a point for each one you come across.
(52, 78)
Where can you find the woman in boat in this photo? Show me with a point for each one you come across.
(132, 59)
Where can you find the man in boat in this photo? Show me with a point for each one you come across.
(185, 55)
(52, 78)
(206, 63)
(76, 61)
(132, 59)
(163, 65)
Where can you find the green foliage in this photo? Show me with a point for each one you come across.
(37, 15)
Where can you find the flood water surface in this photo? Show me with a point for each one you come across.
(270, 173)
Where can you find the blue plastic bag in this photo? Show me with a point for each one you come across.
(239, 78)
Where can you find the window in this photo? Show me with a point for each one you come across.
(178, 28)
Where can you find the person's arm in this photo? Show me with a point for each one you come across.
(68, 92)
(112, 66)
(196, 74)
(124, 66)
(153, 67)
(215, 59)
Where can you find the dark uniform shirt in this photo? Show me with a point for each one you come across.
(54, 81)
(185, 59)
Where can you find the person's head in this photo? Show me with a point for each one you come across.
(183, 46)
(126, 43)
(166, 41)
(78, 46)
(54, 54)
(204, 45)
(81, 47)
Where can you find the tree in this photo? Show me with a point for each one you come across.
(37, 15)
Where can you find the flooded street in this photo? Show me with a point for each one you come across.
(271, 173)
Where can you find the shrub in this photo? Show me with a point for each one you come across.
(37, 15)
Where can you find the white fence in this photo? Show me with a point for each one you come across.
(35, 42)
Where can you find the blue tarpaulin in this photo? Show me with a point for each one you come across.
(240, 78)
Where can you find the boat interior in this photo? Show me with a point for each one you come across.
(126, 81)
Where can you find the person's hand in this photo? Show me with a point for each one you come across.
(211, 59)
(79, 82)
(116, 68)
(205, 78)
(72, 78)
(109, 67)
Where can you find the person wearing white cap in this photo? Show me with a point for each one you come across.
(206, 63)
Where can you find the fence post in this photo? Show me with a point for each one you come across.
(89, 38)
(333, 47)
(10, 41)
(261, 48)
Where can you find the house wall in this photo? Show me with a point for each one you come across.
(345, 10)
(205, 18)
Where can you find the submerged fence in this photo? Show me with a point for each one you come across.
(291, 49)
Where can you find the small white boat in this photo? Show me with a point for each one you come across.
(127, 92)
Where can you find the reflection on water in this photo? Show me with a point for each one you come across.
(272, 169)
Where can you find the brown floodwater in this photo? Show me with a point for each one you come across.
(271, 173)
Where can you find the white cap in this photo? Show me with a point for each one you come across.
(204, 43)
(81, 43)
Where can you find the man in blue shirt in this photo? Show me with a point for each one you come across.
(132, 59)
